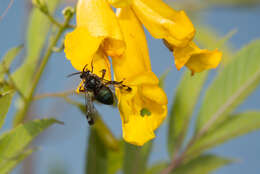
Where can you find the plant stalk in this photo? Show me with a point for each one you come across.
(19, 119)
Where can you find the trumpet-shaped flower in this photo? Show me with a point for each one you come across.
(144, 108)
(161, 21)
(175, 28)
(97, 31)
(194, 58)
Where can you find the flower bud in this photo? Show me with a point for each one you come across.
(68, 11)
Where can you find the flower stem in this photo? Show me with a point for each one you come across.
(19, 118)
(53, 20)
(11, 81)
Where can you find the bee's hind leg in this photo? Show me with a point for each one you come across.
(103, 73)
(119, 85)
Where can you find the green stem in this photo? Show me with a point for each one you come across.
(38, 75)
(53, 20)
(7, 72)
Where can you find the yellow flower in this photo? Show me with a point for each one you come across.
(144, 108)
(97, 35)
(161, 21)
(175, 28)
(194, 58)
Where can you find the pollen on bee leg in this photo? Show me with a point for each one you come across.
(80, 88)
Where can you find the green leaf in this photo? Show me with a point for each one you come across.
(163, 77)
(115, 159)
(231, 86)
(58, 167)
(181, 110)
(97, 155)
(235, 125)
(5, 102)
(157, 168)
(9, 164)
(37, 32)
(136, 158)
(240, 3)
(13, 143)
(203, 164)
(8, 59)
(104, 133)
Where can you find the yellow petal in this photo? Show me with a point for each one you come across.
(143, 109)
(135, 59)
(138, 128)
(153, 93)
(204, 60)
(196, 59)
(133, 131)
(77, 49)
(99, 19)
(163, 22)
(120, 3)
(147, 77)
(182, 55)
(100, 63)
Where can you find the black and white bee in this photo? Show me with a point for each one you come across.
(97, 88)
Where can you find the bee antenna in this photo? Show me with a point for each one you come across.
(73, 74)
(85, 67)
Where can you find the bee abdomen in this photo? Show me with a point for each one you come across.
(105, 96)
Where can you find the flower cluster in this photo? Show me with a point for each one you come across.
(102, 33)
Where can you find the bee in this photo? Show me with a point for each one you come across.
(97, 88)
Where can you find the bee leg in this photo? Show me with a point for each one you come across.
(85, 68)
(92, 67)
(119, 85)
(103, 73)
(82, 89)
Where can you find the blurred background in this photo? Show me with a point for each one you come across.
(62, 147)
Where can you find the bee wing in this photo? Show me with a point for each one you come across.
(90, 109)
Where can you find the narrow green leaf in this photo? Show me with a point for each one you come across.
(104, 133)
(37, 32)
(203, 164)
(233, 126)
(181, 110)
(136, 158)
(8, 59)
(157, 168)
(13, 143)
(9, 164)
(232, 85)
(97, 155)
(115, 159)
(6, 95)
(240, 3)
(163, 77)
(58, 167)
